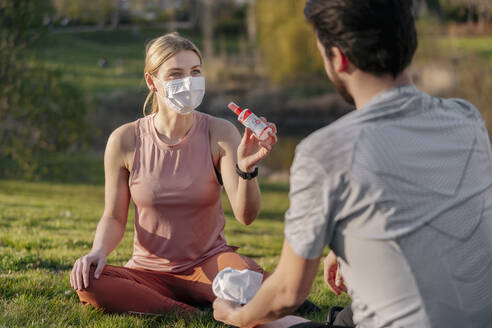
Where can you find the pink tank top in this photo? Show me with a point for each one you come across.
(179, 220)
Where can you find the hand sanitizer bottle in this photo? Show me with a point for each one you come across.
(250, 120)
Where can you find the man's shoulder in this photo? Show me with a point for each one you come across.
(331, 144)
(459, 103)
(462, 106)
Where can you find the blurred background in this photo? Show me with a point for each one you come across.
(71, 71)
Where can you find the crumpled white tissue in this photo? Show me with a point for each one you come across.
(237, 285)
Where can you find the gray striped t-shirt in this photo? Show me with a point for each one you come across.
(401, 190)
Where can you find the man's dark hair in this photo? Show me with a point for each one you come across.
(377, 36)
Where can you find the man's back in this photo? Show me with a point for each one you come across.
(406, 206)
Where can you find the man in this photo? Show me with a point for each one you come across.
(400, 189)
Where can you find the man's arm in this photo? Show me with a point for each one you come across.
(282, 293)
(307, 231)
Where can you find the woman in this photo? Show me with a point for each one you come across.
(171, 163)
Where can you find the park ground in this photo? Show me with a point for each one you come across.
(45, 226)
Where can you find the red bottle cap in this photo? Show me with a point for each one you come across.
(235, 108)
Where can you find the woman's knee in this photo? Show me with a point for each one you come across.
(239, 262)
(96, 290)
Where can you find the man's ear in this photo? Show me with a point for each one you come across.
(150, 82)
(339, 60)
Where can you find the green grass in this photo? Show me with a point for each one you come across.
(481, 45)
(70, 167)
(45, 226)
(77, 55)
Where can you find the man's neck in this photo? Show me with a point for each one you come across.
(364, 86)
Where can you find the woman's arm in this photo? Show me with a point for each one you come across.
(111, 226)
(228, 149)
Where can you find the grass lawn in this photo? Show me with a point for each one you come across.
(481, 45)
(45, 226)
(77, 54)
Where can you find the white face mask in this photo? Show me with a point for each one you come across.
(183, 95)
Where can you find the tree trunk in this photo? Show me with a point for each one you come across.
(194, 12)
(469, 7)
(207, 25)
(115, 16)
(252, 32)
(419, 7)
(251, 22)
(483, 16)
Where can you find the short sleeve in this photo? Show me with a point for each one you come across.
(307, 226)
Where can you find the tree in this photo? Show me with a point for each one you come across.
(207, 27)
(93, 11)
(251, 22)
(424, 6)
(477, 11)
(39, 112)
(286, 40)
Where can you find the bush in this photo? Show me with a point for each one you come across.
(230, 21)
(39, 112)
(287, 41)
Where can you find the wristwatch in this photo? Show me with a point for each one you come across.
(246, 175)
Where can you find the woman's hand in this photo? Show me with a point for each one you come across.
(79, 278)
(333, 276)
(225, 311)
(251, 150)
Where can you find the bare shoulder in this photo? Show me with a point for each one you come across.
(224, 137)
(122, 138)
(120, 148)
(222, 130)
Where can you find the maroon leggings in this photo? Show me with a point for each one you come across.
(121, 289)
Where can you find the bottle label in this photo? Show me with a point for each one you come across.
(252, 121)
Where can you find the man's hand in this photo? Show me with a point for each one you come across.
(225, 311)
(332, 274)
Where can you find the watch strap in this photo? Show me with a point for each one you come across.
(247, 175)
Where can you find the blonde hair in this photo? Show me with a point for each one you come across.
(158, 51)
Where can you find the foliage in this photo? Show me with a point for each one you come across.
(230, 20)
(44, 227)
(39, 112)
(82, 11)
(18, 19)
(467, 10)
(61, 167)
(100, 12)
(286, 40)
